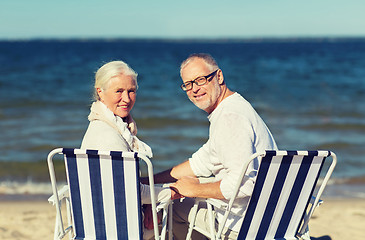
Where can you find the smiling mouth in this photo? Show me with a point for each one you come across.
(199, 96)
(123, 106)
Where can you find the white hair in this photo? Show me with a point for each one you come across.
(110, 70)
(207, 58)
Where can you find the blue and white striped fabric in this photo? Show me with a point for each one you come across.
(284, 186)
(105, 194)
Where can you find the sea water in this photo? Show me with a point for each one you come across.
(310, 93)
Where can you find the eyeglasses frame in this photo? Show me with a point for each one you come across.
(183, 86)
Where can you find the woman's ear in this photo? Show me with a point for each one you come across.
(100, 93)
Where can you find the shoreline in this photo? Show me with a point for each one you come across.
(28, 190)
(335, 219)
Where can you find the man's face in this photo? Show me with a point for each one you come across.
(206, 96)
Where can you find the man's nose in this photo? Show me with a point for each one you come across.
(195, 87)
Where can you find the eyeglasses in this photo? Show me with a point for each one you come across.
(199, 81)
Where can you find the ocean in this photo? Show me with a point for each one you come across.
(310, 93)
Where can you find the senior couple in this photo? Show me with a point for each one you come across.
(236, 132)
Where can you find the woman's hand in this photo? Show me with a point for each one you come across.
(175, 194)
(148, 219)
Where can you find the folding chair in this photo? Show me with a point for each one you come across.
(103, 195)
(279, 205)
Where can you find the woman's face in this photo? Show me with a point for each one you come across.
(120, 95)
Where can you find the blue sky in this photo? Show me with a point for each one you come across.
(181, 19)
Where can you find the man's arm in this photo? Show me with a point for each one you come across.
(173, 174)
(186, 183)
(191, 187)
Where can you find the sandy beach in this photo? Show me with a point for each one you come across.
(336, 219)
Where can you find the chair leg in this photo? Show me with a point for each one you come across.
(170, 221)
(164, 223)
(194, 211)
(57, 227)
(305, 235)
(56, 231)
(69, 218)
(211, 221)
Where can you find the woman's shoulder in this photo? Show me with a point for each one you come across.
(101, 128)
(99, 135)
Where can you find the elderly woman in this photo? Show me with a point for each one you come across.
(111, 125)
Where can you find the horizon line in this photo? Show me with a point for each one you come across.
(184, 39)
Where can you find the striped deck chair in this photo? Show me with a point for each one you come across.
(279, 207)
(102, 196)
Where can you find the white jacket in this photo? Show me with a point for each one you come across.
(109, 133)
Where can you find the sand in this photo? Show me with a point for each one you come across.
(26, 220)
(334, 219)
(339, 220)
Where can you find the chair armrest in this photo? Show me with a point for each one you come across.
(313, 198)
(163, 205)
(217, 203)
(62, 193)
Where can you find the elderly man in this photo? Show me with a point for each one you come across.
(236, 132)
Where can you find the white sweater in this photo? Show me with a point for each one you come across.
(236, 132)
(109, 133)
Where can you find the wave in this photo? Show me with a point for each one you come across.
(336, 188)
(162, 122)
(28, 187)
(30, 171)
(341, 145)
(356, 127)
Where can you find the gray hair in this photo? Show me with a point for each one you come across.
(207, 58)
(110, 70)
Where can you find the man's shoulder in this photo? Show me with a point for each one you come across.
(236, 105)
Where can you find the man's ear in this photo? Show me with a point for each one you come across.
(220, 77)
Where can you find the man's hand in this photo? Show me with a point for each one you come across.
(191, 187)
(186, 186)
